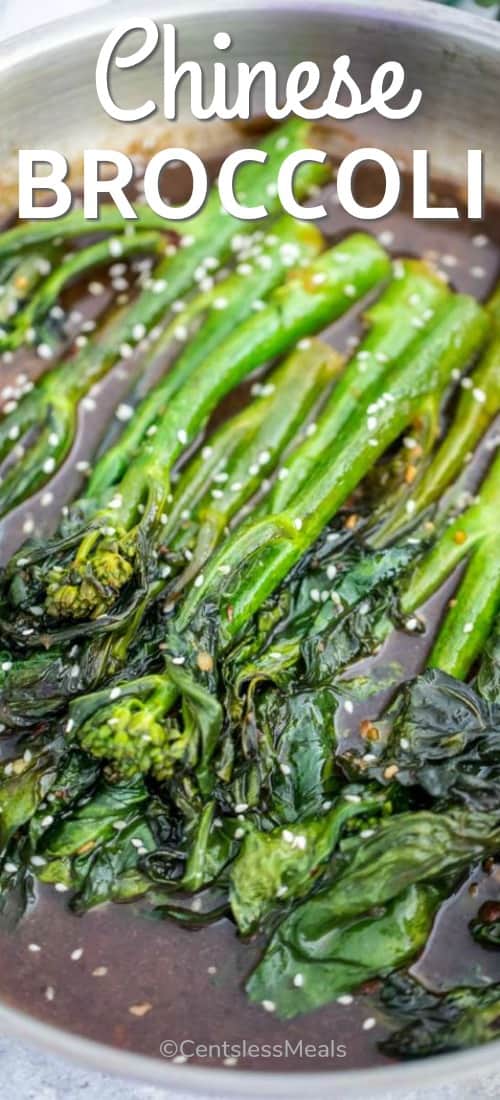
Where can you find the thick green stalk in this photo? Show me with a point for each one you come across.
(246, 448)
(253, 181)
(66, 272)
(36, 234)
(119, 537)
(244, 451)
(259, 555)
(473, 537)
(478, 404)
(295, 310)
(21, 282)
(218, 312)
(395, 321)
(51, 405)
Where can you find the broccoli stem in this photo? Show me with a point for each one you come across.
(51, 405)
(246, 447)
(24, 277)
(394, 321)
(67, 271)
(245, 450)
(253, 182)
(477, 406)
(218, 312)
(473, 538)
(312, 297)
(260, 554)
(110, 549)
(71, 227)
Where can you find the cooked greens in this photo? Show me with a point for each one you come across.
(180, 660)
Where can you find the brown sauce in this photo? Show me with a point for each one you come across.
(189, 985)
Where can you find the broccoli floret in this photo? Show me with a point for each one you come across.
(89, 586)
(131, 736)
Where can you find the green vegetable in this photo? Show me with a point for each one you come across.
(291, 244)
(308, 965)
(408, 848)
(37, 234)
(461, 1019)
(413, 296)
(243, 452)
(478, 404)
(443, 738)
(33, 323)
(117, 547)
(51, 405)
(279, 866)
(257, 557)
(19, 283)
(471, 538)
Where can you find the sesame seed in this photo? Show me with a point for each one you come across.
(345, 999)
(298, 981)
(140, 1009)
(269, 1006)
(297, 523)
(34, 947)
(468, 628)
(50, 993)
(124, 413)
(44, 351)
(369, 1023)
(46, 499)
(199, 580)
(115, 693)
(95, 289)
(348, 706)
(60, 887)
(182, 436)
(76, 954)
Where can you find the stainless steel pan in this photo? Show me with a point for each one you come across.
(48, 98)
